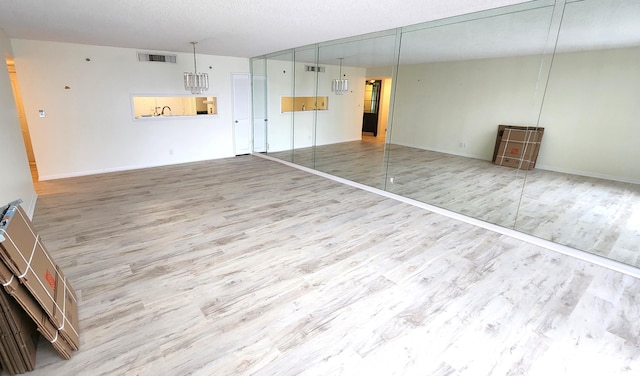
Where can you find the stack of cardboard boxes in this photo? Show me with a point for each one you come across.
(46, 302)
(19, 337)
(517, 147)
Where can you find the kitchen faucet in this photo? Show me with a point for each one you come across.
(164, 108)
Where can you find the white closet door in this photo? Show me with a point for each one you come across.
(241, 112)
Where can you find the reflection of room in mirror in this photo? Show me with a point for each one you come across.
(458, 79)
(311, 103)
(598, 215)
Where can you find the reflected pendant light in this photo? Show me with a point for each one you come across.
(196, 83)
(340, 85)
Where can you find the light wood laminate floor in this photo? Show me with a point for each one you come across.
(596, 215)
(244, 266)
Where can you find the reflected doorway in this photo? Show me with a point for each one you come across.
(371, 107)
(24, 127)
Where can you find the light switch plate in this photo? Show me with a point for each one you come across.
(41, 113)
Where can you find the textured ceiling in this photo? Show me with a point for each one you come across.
(526, 29)
(243, 28)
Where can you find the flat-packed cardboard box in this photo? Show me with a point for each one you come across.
(29, 305)
(5, 360)
(517, 147)
(23, 252)
(9, 354)
(19, 335)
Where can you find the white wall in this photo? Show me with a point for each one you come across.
(385, 94)
(377, 72)
(438, 106)
(343, 121)
(591, 115)
(90, 128)
(590, 111)
(305, 86)
(16, 180)
(279, 124)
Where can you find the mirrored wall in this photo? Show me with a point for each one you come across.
(422, 113)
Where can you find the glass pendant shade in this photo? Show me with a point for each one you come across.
(340, 85)
(196, 83)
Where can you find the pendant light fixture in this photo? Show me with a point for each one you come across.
(196, 83)
(340, 85)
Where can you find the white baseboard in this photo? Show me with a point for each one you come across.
(31, 205)
(118, 169)
(586, 173)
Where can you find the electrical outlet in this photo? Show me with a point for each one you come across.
(41, 113)
(391, 180)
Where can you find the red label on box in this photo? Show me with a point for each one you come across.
(515, 151)
(50, 279)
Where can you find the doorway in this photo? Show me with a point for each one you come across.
(24, 127)
(371, 106)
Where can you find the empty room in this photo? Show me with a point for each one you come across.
(251, 188)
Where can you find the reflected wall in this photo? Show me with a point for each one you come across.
(304, 118)
(280, 80)
(456, 82)
(569, 67)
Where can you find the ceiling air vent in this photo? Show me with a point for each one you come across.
(160, 58)
(314, 68)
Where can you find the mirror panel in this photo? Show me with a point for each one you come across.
(304, 119)
(280, 82)
(342, 149)
(442, 98)
(259, 104)
(586, 193)
(456, 84)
